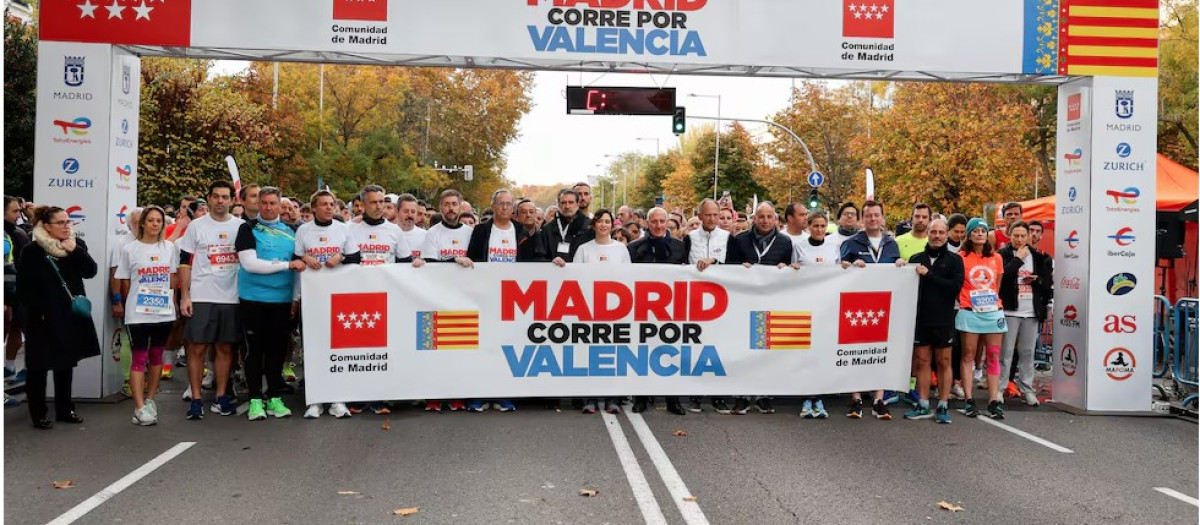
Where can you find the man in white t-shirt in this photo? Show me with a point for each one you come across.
(379, 241)
(795, 217)
(208, 277)
(409, 216)
(325, 243)
(447, 241)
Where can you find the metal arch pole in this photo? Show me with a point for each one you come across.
(811, 163)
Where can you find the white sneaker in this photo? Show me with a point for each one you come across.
(187, 394)
(143, 417)
(314, 411)
(339, 410)
(152, 407)
(207, 383)
(979, 377)
(1031, 399)
(957, 392)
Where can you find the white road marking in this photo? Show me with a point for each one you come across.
(679, 491)
(1178, 495)
(646, 501)
(1048, 444)
(91, 503)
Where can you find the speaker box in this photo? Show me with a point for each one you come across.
(1169, 241)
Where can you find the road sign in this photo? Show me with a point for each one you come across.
(816, 179)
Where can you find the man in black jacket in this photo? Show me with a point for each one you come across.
(568, 228)
(658, 247)
(762, 244)
(1026, 288)
(531, 244)
(941, 280)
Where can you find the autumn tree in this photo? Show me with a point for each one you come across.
(740, 159)
(829, 121)
(20, 101)
(1177, 86)
(955, 147)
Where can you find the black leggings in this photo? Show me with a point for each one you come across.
(35, 393)
(268, 329)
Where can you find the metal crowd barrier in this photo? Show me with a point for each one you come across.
(1185, 348)
(1164, 325)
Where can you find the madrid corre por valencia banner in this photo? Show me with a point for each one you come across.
(535, 330)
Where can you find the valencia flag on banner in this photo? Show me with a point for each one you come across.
(126, 22)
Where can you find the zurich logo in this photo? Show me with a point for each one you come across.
(1124, 150)
(1071, 194)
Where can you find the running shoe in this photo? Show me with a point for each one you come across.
(969, 409)
(996, 410)
(640, 404)
(314, 411)
(339, 410)
(881, 410)
(10, 401)
(18, 378)
(380, 409)
(207, 382)
(478, 406)
(942, 415)
(9, 373)
(694, 405)
(720, 406)
(505, 405)
(979, 376)
(180, 358)
(741, 406)
(589, 407)
(957, 391)
(1031, 399)
(764, 406)
(256, 412)
(142, 417)
(196, 410)
(675, 407)
(457, 405)
(806, 411)
(913, 398)
(152, 406)
(612, 406)
(890, 397)
(289, 372)
(356, 408)
(187, 393)
(275, 407)
(433, 406)
(856, 409)
(1011, 391)
(919, 413)
(167, 371)
(224, 406)
(820, 410)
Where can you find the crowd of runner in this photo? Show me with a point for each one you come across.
(212, 286)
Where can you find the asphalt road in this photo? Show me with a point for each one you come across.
(528, 467)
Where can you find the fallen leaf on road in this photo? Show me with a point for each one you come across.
(347, 493)
(679, 433)
(64, 484)
(387, 424)
(690, 498)
(406, 511)
(949, 506)
(588, 492)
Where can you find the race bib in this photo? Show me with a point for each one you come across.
(375, 258)
(984, 301)
(222, 258)
(152, 300)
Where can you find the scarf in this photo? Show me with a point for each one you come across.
(373, 222)
(761, 241)
(846, 232)
(52, 246)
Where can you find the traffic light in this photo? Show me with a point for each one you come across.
(679, 120)
(814, 199)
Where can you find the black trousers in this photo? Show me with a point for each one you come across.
(35, 393)
(268, 329)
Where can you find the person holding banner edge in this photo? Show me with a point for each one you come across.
(816, 249)
(941, 274)
(447, 241)
(872, 245)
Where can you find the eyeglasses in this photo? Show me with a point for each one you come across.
(59, 223)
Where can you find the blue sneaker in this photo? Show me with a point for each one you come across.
(890, 397)
(224, 406)
(10, 401)
(8, 372)
(820, 411)
(942, 415)
(16, 378)
(806, 411)
(478, 406)
(196, 410)
(913, 398)
(918, 413)
(506, 405)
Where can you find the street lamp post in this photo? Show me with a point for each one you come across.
(717, 161)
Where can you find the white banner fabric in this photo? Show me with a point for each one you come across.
(535, 330)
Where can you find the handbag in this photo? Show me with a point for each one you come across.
(80, 304)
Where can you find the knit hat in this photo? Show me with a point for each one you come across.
(977, 223)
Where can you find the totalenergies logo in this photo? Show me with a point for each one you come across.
(1074, 158)
(124, 172)
(1126, 196)
(78, 127)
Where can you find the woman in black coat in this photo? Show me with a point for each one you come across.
(55, 338)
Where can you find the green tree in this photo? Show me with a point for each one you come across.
(20, 102)
(830, 121)
(1177, 87)
(740, 160)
